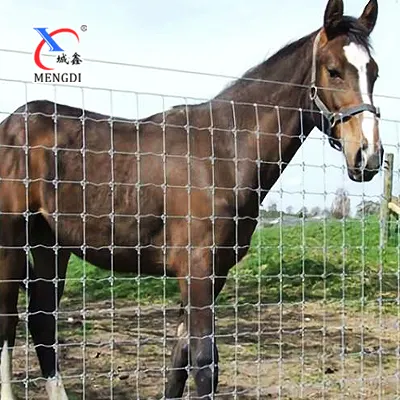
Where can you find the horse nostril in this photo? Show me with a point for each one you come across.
(359, 158)
(364, 145)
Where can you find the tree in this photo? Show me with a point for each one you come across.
(315, 211)
(341, 204)
(272, 207)
(289, 210)
(326, 213)
(303, 212)
(368, 207)
(272, 210)
(263, 213)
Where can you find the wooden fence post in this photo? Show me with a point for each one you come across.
(387, 196)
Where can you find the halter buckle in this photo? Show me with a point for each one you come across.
(313, 92)
(333, 120)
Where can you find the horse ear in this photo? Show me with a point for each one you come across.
(369, 16)
(333, 14)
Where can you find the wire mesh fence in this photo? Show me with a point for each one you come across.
(166, 206)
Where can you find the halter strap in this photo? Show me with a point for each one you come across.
(333, 118)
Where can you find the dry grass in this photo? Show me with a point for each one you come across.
(313, 351)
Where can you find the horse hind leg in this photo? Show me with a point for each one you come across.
(45, 297)
(12, 272)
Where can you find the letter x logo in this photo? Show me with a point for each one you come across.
(53, 46)
(48, 39)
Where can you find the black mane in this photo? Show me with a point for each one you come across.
(294, 52)
(348, 26)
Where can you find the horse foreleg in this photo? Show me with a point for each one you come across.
(203, 347)
(44, 301)
(180, 362)
(203, 292)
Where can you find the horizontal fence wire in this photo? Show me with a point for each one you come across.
(184, 71)
(130, 214)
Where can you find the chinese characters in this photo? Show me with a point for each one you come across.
(64, 59)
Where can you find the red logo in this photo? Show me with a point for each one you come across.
(54, 47)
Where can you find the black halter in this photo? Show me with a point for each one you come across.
(334, 118)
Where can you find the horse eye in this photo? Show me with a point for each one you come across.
(333, 73)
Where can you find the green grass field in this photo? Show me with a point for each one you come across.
(324, 260)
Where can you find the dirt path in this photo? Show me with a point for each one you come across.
(287, 353)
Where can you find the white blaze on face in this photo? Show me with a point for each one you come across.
(358, 56)
(5, 368)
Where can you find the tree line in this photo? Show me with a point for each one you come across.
(340, 208)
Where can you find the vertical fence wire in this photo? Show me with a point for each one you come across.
(343, 303)
(189, 219)
(236, 236)
(281, 309)
(215, 273)
(303, 254)
(84, 246)
(111, 248)
(324, 270)
(165, 222)
(26, 213)
(362, 296)
(138, 248)
(259, 247)
(56, 280)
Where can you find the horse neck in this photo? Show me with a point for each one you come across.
(271, 112)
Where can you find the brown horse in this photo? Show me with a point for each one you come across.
(177, 193)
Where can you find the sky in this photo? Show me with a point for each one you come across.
(216, 37)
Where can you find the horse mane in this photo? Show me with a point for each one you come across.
(267, 70)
